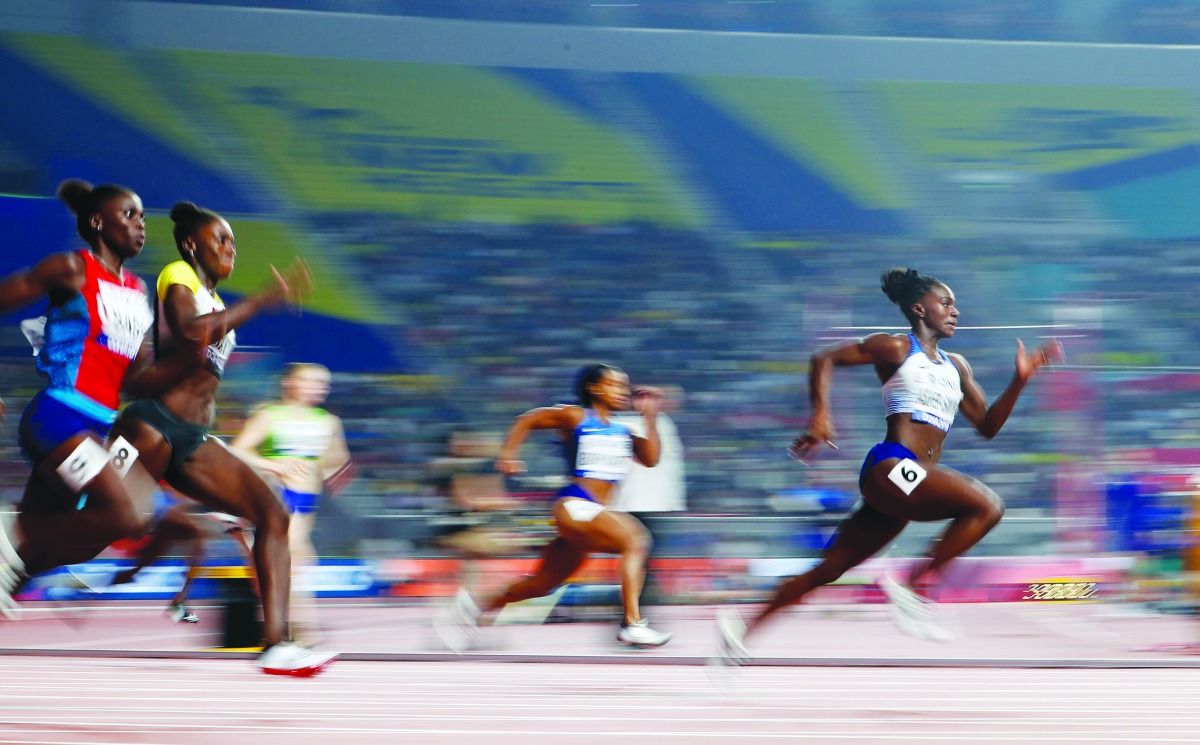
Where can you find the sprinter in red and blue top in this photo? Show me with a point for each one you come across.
(599, 453)
(91, 344)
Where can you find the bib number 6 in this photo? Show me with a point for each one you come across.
(908, 475)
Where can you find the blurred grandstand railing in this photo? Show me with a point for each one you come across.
(1123, 21)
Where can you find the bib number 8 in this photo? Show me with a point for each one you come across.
(122, 455)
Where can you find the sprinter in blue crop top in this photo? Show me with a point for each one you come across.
(599, 453)
(900, 481)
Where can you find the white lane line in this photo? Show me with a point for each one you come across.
(849, 700)
(1025, 737)
(434, 672)
(352, 721)
(634, 697)
(499, 668)
(631, 692)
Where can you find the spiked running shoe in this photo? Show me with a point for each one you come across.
(180, 613)
(639, 634)
(731, 632)
(289, 658)
(12, 569)
(458, 624)
(912, 613)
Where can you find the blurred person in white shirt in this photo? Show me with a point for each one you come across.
(653, 493)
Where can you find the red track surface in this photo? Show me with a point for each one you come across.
(1028, 674)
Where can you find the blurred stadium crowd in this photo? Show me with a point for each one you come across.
(498, 320)
(1040, 208)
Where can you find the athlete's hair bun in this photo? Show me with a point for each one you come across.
(189, 218)
(84, 200)
(76, 194)
(905, 286)
(898, 282)
(182, 211)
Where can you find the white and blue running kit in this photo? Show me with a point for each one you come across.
(596, 450)
(929, 390)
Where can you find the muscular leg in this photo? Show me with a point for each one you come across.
(972, 507)
(217, 478)
(244, 543)
(559, 561)
(982, 511)
(55, 531)
(858, 538)
(174, 527)
(195, 554)
(620, 533)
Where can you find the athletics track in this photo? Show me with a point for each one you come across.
(1028, 673)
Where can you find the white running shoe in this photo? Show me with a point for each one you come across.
(912, 613)
(639, 634)
(731, 631)
(289, 658)
(458, 624)
(76, 581)
(180, 613)
(12, 569)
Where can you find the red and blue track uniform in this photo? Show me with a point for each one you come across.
(88, 342)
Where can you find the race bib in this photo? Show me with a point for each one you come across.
(82, 465)
(122, 455)
(908, 475)
(125, 317)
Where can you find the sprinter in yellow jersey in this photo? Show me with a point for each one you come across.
(169, 434)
